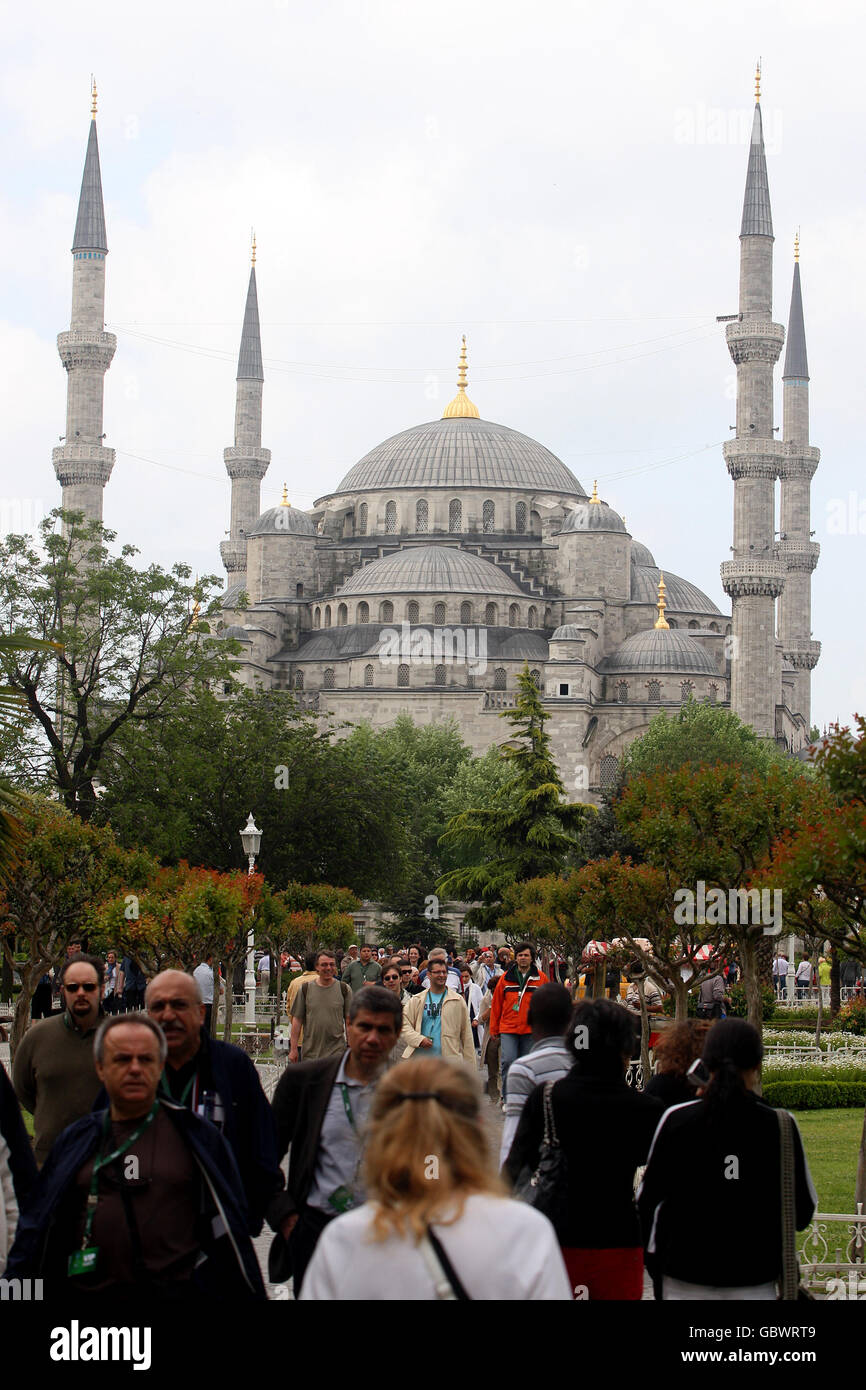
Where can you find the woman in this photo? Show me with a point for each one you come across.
(721, 1153)
(391, 980)
(675, 1051)
(605, 1129)
(415, 957)
(428, 1171)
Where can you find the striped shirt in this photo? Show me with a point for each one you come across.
(547, 1060)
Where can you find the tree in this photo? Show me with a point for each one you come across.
(122, 646)
(528, 830)
(11, 715)
(700, 735)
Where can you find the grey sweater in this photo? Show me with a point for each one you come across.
(54, 1078)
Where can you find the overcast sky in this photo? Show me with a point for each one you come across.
(561, 182)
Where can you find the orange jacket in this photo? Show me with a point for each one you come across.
(507, 993)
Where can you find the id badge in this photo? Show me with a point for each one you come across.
(83, 1261)
(342, 1200)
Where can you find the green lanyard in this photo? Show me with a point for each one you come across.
(184, 1096)
(100, 1163)
(347, 1106)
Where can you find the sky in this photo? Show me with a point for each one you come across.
(562, 182)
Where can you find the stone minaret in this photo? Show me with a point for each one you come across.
(755, 577)
(797, 550)
(247, 462)
(82, 463)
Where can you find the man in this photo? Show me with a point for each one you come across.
(548, 1058)
(439, 953)
(365, 971)
(53, 1073)
(509, 1016)
(319, 1012)
(436, 1022)
(653, 996)
(203, 976)
(712, 997)
(320, 1109)
(482, 969)
(141, 1199)
(218, 1082)
(132, 984)
(804, 977)
(110, 996)
(308, 973)
(780, 972)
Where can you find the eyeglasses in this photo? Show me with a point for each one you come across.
(73, 988)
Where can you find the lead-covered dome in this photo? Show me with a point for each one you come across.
(430, 569)
(682, 595)
(661, 649)
(592, 516)
(461, 453)
(283, 520)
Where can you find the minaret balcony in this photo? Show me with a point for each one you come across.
(233, 554)
(82, 463)
(800, 461)
(755, 340)
(78, 348)
(744, 578)
(242, 462)
(754, 458)
(798, 555)
(803, 655)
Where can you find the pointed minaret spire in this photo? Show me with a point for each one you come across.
(246, 462)
(461, 404)
(796, 363)
(90, 223)
(250, 356)
(757, 218)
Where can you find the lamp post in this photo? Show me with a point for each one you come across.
(251, 839)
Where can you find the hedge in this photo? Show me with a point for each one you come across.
(815, 1095)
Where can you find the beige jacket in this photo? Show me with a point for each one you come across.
(456, 1030)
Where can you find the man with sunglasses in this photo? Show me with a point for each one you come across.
(53, 1074)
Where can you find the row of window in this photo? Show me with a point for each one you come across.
(654, 691)
(413, 614)
(440, 677)
(455, 517)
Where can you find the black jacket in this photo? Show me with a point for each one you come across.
(701, 1165)
(22, 1164)
(299, 1106)
(605, 1129)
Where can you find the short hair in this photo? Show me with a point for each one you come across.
(438, 953)
(323, 951)
(437, 960)
(310, 960)
(117, 1021)
(600, 1034)
(375, 999)
(83, 959)
(550, 1010)
(525, 946)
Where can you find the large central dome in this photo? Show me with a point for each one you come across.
(461, 453)
(429, 569)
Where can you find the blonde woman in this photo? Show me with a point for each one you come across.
(437, 1222)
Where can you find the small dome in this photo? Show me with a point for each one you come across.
(592, 516)
(682, 596)
(239, 634)
(430, 569)
(661, 649)
(233, 593)
(569, 632)
(641, 554)
(283, 520)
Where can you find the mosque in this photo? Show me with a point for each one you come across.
(459, 551)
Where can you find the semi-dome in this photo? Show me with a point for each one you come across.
(430, 569)
(682, 596)
(284, 520)
(237, 633)
(592, 516)
(461, 452)
(661, 649)
(568, 632)
(641, 554)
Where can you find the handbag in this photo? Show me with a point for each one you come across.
(547, 1188)
(446, 1280)
(790, 1288)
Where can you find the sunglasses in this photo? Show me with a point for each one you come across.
(392, 977)
(74, 988)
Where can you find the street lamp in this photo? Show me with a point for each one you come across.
(251, 839)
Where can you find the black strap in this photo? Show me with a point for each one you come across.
(790, 1269)
(448, 1269)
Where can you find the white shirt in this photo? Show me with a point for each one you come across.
(203, 976)
(499, 1248)
(341, 1140)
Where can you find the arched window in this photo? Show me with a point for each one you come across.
(536, 679)
(439, 675)
(413, 612)
(342, 615)
(535, 523)
(390, 518)
(466, 612)
(686, 690)
(491, 615)
(317, 618)
(622, 692)
(299, 591)
(499, 678)
(299, 680)
(520, 518)
(654, 692)
(488, 518)
(368, 675)
(548, 617)
(422, 515)
(714, 627)
(363, 612)
(672, 622)
(439, 614)
(607, 770)
(328, 680)
(327, 615)
(727, 629)
(455, 516)
(694, 624)
(402, 675)
(532, 616)
(713, 692)
(386, 611)
(513, 616)
(362, 519)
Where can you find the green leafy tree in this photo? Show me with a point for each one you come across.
(700, 735)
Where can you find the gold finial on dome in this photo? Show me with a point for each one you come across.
(758, 82)
(662, 604)
(595, 497)
(284, 501)
(797, 245)
(92, 97)
(253, 250)
(461, 404)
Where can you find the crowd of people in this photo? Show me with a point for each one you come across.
(156, 1157)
